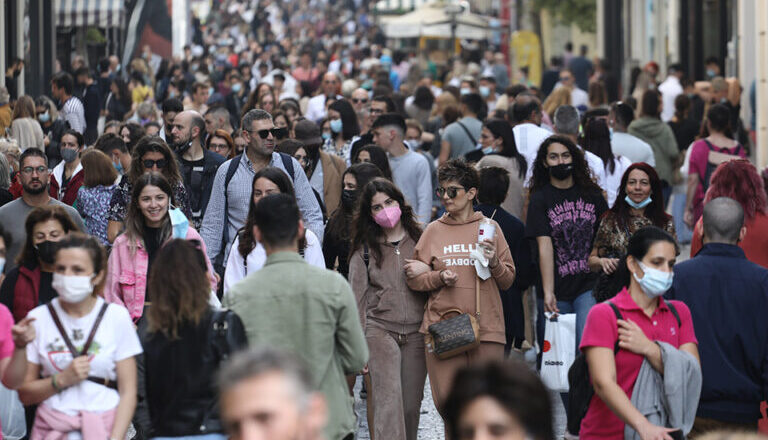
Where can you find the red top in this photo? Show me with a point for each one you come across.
(601, 330)
(754, 245)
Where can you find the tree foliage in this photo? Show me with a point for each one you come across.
(582, 13)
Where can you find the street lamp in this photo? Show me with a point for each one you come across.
(454, 9)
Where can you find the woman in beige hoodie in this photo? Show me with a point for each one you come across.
(442, 266)
(385, 234)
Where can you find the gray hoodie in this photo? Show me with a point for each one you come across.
(661, 139)
(671, 400)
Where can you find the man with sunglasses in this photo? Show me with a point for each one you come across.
(198, 165)
(227, 208)
(35, 177)
(410, 171)
(330, 88)
(378, 106)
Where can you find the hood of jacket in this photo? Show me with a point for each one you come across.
(648, 127)
(448, 220)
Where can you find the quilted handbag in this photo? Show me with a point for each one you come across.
(458, 334)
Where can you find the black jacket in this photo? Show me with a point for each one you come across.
(199, 188)
(180, 376)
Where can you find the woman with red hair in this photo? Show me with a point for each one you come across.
(639, 203)
(739, 180)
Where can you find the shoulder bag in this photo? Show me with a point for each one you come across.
(452, 336)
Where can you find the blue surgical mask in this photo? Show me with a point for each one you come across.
(336, 125)
(2, 264)
(485, 91)
(640, 205)
(412, 144)
(489, 150)
(210, 91)
(118, 166)
(710, 73)
(179, 222)
(44, 117)
(326, 136)
(237, 87)
(464, 91)
(654, 282)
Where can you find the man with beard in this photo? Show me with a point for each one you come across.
(198, 165)
(35, 176)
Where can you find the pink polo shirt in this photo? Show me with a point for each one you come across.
(6, 340)
(601, 330)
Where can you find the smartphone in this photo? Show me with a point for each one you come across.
(677, 435)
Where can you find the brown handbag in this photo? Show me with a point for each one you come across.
(452, 336)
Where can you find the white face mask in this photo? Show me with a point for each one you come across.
(72, 289)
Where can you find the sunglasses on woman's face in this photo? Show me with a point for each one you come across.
(452, 191)
(149, 163)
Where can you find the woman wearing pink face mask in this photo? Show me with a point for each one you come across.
(384, 237)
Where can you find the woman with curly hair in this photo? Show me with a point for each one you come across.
(563, 215)
(385, 235)
(740, 181)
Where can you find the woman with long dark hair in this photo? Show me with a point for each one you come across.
(181, 354)
(645, 274)
(344, 129)
(385, 234)
(53, 128)
(597, 140)
(706, 154)
(376, 155)
(151, 221)
(500, 150)
(337, 239)
(118, 101)
(149, 155)
(248, 255)
(639, 204)
(563, 215)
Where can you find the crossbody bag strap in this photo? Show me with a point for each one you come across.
(477, 295)
(618, 317)
(63, 332)
(469, 135)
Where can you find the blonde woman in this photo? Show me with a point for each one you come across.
(24, 126)
(559, 96)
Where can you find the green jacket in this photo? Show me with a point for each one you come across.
(662, 140)
(312, 312)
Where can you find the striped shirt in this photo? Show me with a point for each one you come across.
(239, 195)
(73, 112)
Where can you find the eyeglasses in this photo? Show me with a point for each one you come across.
(360, 101)
(219, 147)
(29, 170)
(452, 191)
(276, 132)
(149, 163)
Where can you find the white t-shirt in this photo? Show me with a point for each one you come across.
(613, 181)
(236, 271)
(115, 340)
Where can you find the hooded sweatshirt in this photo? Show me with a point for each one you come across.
(446, 244)
(662, 140)
(384, 300)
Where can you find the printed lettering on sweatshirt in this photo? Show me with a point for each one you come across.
(458, 254)
(572, 224)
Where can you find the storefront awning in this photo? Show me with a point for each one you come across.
(99, 13)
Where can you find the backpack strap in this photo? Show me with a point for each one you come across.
(618, 317)
(673, 309)
(288, 165)
(366, 256)
(231, 170)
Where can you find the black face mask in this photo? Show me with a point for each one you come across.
(46, 251)
(348, 198)
(562, 171)
(182, 148)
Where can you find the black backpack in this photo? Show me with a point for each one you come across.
(581, 391)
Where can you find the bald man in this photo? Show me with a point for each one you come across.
(197, 165)
(330, 87)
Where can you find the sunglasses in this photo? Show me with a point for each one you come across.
(276, 132)
(360, 101)
(149, 163)
(452, 191)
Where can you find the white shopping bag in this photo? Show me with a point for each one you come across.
(12, 415)
(558, 350)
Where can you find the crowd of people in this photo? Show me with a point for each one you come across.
(219, 244)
